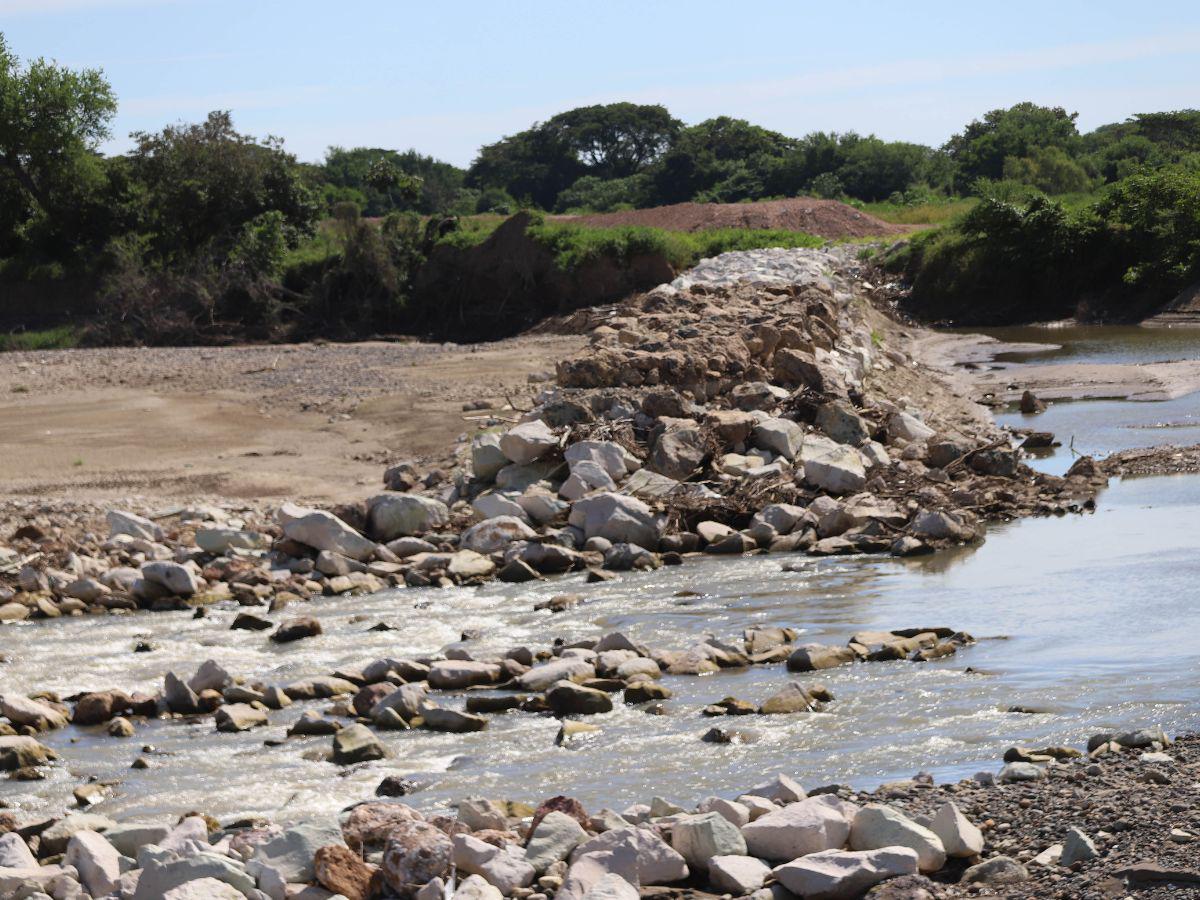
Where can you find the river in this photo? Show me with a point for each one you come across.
(1084, 617)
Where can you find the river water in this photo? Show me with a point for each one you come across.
(1084, 617)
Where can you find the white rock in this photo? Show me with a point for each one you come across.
(798, 829)
(831, 466)
(736, 813)
(757, 807)
(222, 540)
(528, 442)
(392, 516)
(655, 861)
(586, 476)
(121, 522)
(473, 887)
(737, 875)
(96, 860)
(15, 853)
(781, 789)
(494, 503)
(479, 813)
(877, 826)
(959, 837)
(841, 874)
(612, 887)
(486, 456)
(611, 456)
(210, 676)
(324, 531)
(1076, 847)
(553, 840)
(540, 678)
(506, 867)
(908, 428)
(204, 889)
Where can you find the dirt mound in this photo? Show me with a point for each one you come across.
(825, 218)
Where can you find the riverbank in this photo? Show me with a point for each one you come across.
(614, 372)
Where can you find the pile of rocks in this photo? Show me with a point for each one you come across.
(752, 405)
(1004, 835)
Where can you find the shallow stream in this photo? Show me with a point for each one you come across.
(1088, 618)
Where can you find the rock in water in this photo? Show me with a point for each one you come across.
(355, 744)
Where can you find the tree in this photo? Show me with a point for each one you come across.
(1050, 170)
(204, 182)
(723, 156)
(984, 145)
(875, 169)
(347, 176)
(51, 120)
(616, 140)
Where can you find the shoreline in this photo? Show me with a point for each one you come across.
(785, 498)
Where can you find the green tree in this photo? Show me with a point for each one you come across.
(347, 176)
(202, 183)
(983, 146)
(1050, 170)
(716, 151)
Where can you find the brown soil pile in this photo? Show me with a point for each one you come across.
(825, 218)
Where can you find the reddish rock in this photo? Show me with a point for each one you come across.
(568, 805)
(94, 708)
(368, 825)
(341, 871)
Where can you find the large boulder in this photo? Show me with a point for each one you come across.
(96, 860)
(569, 698)
(493, 535)
(617, 518)
(528, 442)
(798, 829)
(877, 826)
(553, 840)
(291, 852)
(831, 466)
(843, 874)
(541, 678)
(34, 713)
(504, 867)
(455, 674)
(391, 516)
(960, 838)
(654, 860)
(355, 744)
(325, 531)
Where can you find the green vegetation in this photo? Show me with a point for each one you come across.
(1119, 256)
(60, 338)
(203, 233)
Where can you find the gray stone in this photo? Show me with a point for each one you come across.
(959, 837)
(798, 829)
(654, 860)
(841, 423)
(553, 840)
(122, 522)
(234, 717)
(96, 860)
(832, 467)
(291, 852)
(495, 534)
(737, 875)
(781, 436)
(997, 870)
(487, 459)
(355, 744)
(617, 518)
(877, 826)
(504, 867)
(842, 875)
(158, 878)
(699, 838)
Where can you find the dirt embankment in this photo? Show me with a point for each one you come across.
(824, 218)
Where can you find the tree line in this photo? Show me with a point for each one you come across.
(199, 225)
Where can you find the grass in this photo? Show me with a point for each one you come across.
(61, 338)
(935, 212)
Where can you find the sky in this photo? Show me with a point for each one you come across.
(446, 78)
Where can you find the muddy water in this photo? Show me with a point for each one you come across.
(1085, 618)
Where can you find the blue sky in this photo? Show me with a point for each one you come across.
(447, 77)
